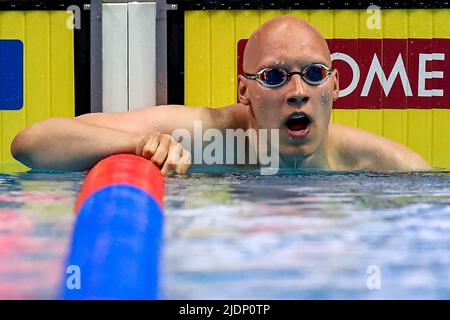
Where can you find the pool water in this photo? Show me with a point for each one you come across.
(36, 219)
(304, 235)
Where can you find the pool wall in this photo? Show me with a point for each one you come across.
(52, 76)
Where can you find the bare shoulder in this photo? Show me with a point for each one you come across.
(235, 116)
(357, 149)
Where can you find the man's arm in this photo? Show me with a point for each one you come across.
(77, 144)
(162, 119)
(69, 144)
(166, 119)
(362, 150)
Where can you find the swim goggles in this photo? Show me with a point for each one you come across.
(271, 77)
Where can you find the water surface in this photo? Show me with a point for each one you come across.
(245, 236)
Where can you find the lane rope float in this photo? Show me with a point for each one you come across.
(117, 237)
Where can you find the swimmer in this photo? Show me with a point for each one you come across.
(288, 85)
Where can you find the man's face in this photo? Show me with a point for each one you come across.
(300, 110)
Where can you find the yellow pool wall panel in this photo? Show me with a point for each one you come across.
(211, 38)
(440, 118)
(395, 121)
(345, 23)
(48, 73)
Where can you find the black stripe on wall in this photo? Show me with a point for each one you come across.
(307, 4)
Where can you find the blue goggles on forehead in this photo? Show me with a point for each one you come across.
(272, 77)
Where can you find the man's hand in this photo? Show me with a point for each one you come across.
(164, 151)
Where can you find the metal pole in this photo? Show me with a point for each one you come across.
(96, 56)
(161, 50)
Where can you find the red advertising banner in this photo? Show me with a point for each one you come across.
(388, 73)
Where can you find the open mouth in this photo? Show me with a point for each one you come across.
(298, 125)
